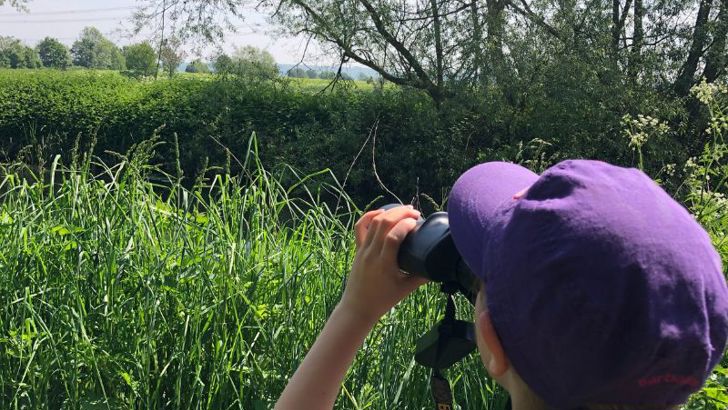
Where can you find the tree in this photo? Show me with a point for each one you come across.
(14, 54)
(93, 50)
(171, 55)
(140, 58)
(223, 64)
(53, 53)
(197, 66)
(297, 72)
(311, 73)
(18, 4)
(446, 46)
(253, 63)
(327, 75)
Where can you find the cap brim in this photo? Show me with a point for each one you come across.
(474, 198)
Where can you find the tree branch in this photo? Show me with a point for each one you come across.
(535, 18)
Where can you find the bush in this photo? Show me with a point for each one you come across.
(419, 148)
(197, 66)
(706, 191)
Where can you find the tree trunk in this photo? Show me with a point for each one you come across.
(715, 61)
(638, 36)
(687, 72)
(478, 59)
(496, 25)
(616, 30)
(438, 41)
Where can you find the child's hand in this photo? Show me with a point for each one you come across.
(376, 284)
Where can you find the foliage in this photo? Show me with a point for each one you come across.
(417, 147)
(327, 75)
(223, 64)
(172, 55)
(297, 72)
(53, 53)
(703, 186)
(18, 4)
(93, 50)
(706, 190)
(140, 58)
(248, 63)
(13, 54)
(197, 66)
(126, 293)
(136, 294)
(445, 47)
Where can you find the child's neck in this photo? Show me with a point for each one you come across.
(527, 403)
(523, 398)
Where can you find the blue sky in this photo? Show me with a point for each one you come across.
(64, 20)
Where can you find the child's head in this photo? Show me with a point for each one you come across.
(600, 288)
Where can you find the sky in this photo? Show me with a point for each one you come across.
(64, 20)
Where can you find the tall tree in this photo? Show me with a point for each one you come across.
(716, 59)
(253, 63)
(638, 37)
(171, 55)
(686, 77)
(140, 58)
(93, 50)
(53, 53)
(14, 54)
(441, 46)
(223, 64)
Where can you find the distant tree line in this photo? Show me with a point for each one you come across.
(299, 72)
(248, 62)
(91, 50)
(94, 51)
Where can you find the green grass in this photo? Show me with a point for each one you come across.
(122, 289)
(123, 293)
(318, 84)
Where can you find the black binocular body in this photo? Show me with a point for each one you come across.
(429, 251)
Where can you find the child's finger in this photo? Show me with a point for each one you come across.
(383, 223)
(362, 226)
(393, 239)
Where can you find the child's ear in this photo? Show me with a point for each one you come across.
(495, 360)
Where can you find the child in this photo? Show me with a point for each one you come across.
(598, 289)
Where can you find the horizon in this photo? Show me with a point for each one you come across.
(65, 22)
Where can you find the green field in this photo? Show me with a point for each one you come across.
(130, 285)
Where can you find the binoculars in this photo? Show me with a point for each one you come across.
(429, 251)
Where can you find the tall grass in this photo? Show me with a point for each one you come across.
(118, 292)
(120, 288)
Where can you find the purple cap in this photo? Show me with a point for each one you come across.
(602, 288)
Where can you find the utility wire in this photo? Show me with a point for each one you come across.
(61, 21)
(55, 13)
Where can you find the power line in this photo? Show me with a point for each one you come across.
(61, 21)
(55, 13)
